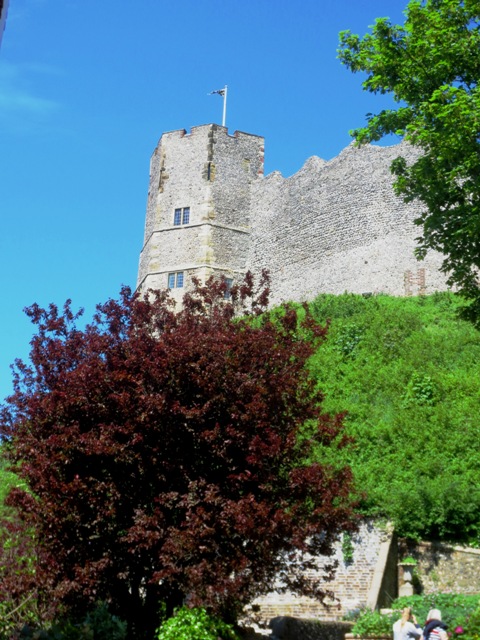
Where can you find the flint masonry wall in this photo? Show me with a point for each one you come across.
(211, 173)
(443, 568)
(332, 227)
(338, 226)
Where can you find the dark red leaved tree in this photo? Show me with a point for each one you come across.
(167, 453)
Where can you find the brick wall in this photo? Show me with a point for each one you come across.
(356, 584)
(371, 580)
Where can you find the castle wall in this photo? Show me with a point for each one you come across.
(444, 568)
(338, 226)
(238, 164)
(373, 577)
(332, 227)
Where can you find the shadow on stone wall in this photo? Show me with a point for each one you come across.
(443, 568)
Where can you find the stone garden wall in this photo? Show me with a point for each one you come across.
(442, 568)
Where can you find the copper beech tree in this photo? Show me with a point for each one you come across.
(168, 455)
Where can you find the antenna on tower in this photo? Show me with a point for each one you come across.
(222, 92)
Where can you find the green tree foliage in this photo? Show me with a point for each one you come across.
(20, 600)
(409, 383)
(431, 66)
(162, 456)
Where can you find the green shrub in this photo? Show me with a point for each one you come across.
(104, 625)
(98, 624)
(195, 624)
(373, 623)
(471, 630)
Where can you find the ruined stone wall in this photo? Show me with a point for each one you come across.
(337, 226)
(332, 227)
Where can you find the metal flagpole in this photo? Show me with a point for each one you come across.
(224, 119)
(222, 92)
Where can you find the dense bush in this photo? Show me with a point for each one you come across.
(406, 370)
(373, 623)
(472, 626)
(98, 624)
(195, 624)
(161, 457)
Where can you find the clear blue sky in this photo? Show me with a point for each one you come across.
(86, 90)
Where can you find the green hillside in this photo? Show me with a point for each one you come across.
(407, 371)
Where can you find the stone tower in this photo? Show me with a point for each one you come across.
(198, 220)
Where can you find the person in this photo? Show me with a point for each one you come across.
(407, 628)
(434, 628)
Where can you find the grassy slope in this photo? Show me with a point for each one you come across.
(407, 371)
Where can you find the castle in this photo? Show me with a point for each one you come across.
(332, 227)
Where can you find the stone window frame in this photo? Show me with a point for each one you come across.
(229, 282)
(181, 216)
(175, 280)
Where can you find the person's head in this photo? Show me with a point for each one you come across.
(406, 614)
(434, 614)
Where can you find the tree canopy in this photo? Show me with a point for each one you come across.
(431, 66)
(165, 453)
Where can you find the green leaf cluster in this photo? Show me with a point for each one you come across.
(195, 624)
(7, 481)
(373, 623)
(408, 382)
(430, 65)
